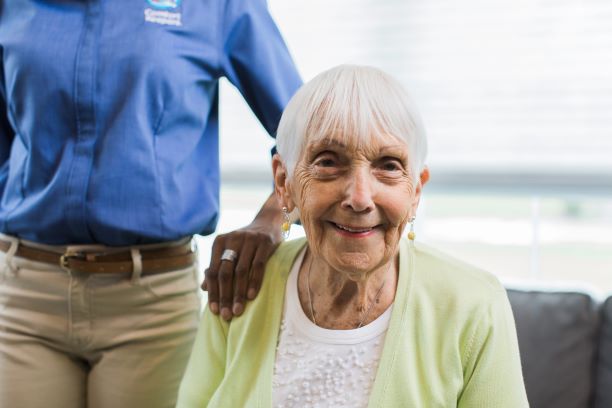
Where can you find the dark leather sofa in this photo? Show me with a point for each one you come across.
(566, 348)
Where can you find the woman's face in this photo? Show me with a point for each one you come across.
(354, 201)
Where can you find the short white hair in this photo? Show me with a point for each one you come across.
(359, 103)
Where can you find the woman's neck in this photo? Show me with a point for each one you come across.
(338, 300)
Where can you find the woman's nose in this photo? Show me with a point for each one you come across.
(359, 191)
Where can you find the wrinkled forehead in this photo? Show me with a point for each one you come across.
(370, 143)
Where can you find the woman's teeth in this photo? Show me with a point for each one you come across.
(354, 230)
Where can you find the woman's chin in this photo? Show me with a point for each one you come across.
(355, 264)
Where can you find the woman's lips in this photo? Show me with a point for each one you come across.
(353, 231)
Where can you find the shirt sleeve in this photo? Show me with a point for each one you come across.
(492, 370)
(206, 366)
(256, 60)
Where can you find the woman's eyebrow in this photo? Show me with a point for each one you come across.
(326, 142)
(396, 149)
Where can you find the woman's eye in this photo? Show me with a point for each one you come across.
(391, 165)
(326, 161)
(326, 165)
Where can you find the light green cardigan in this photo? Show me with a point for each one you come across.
(451, 341)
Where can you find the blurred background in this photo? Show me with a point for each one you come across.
(516, 96)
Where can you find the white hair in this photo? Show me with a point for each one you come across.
(356, 103)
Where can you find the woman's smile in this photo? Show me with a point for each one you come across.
(351, 231)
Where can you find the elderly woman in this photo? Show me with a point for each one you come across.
(355, 315)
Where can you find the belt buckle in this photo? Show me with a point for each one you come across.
(67, 256)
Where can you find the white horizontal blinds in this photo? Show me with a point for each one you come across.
(503, 85)
(517, 83)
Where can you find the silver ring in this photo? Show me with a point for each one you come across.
(229, 255)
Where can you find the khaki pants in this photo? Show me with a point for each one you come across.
(93, 340)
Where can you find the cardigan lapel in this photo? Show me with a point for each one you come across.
(399, 315)
(275, 282)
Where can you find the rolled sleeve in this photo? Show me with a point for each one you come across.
(257, 61)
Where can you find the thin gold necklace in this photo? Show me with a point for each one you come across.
(367, 313)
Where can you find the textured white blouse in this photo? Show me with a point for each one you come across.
(317, 367)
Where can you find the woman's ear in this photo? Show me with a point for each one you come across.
(423, 179)
(424, 176)
(282, 189)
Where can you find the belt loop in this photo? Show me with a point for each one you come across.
(136, 265)
(10, 270)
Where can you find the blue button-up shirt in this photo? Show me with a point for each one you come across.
(108, 112)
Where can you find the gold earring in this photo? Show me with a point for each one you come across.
(286, 225)
(411, 233)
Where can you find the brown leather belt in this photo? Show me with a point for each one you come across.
(154, 260)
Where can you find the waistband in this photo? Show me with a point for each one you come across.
(141, 259)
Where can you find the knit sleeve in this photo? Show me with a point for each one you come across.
(492, 366)
(206, 366)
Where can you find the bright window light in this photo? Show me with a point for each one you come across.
(516, 96)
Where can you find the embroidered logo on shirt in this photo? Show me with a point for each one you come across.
(162, 14)
(164, 4)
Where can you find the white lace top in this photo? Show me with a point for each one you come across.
(317, 367)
